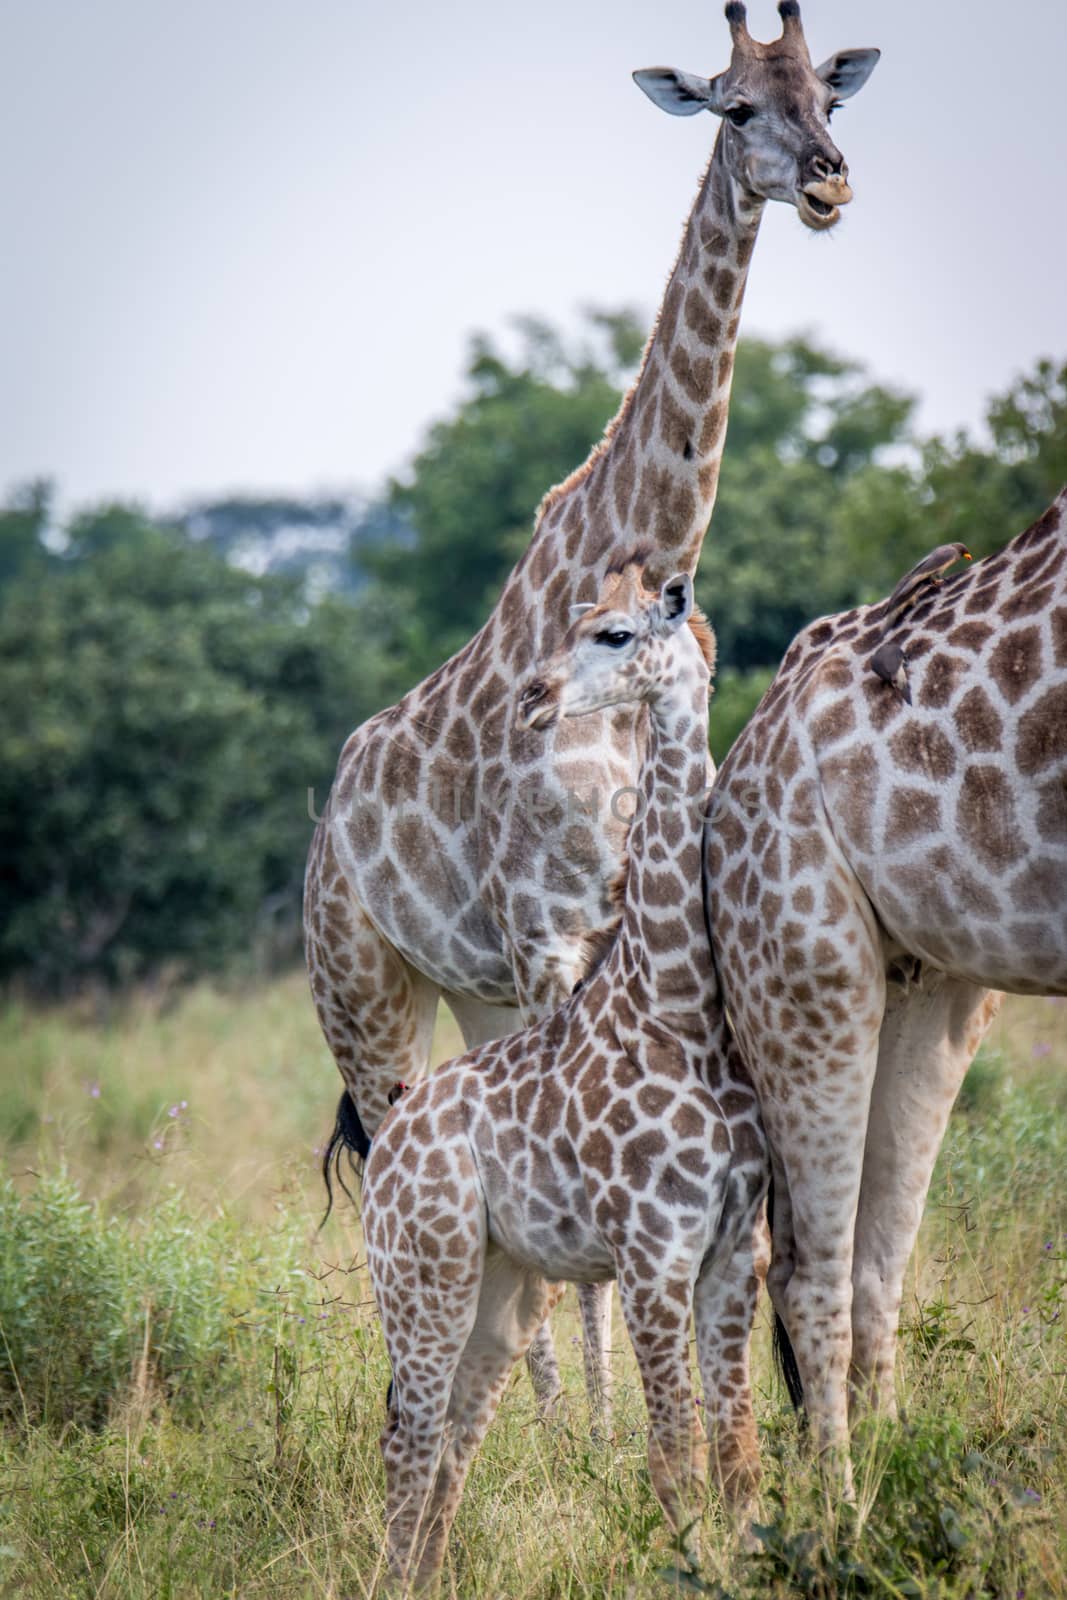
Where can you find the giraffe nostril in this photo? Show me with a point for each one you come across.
(824, 167)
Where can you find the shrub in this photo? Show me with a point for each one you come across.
(90, 1306)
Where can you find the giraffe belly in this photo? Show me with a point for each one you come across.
(1001, 930)
(537, 1213)
(559, 1245)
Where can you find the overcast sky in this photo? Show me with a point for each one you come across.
(246, 240)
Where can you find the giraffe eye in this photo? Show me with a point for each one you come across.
(739, 115)
(614, 638)
(835, 105)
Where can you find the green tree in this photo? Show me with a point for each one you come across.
(985, 495)
(806, 431)
(474, 487)
(23, 525)
(166, 714)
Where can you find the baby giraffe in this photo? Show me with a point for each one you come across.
(618, 1138)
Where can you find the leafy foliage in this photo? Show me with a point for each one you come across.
(474, 486)
(94, 1309)
(166, 715)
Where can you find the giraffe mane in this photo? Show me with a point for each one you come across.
(704, 634)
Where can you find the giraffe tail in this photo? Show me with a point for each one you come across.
(784, 1355)
(349, 1138)
(786, 1362)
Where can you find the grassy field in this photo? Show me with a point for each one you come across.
(193, 1380)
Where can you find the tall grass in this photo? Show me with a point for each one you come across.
(192, 1379)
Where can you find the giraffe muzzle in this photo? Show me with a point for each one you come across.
(538, 705)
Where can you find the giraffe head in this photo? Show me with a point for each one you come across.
(634, 644)
(776, 110)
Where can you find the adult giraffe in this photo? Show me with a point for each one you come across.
(452, 860)
(884, 857)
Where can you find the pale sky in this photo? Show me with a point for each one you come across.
(246, 240)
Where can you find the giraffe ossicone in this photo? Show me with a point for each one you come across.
(618, 1138)
(411, 897)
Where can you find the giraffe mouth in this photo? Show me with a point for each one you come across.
(820, 205)
(816, 213)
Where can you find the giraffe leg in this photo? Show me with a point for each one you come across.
(426, 1328)
(928, 1040)
(376, 1011)
(724, 1306)
(594, 1302)
(657, 1314)
(512, 1305)
(813, 1065)
(479, 1023)
(426, 1254)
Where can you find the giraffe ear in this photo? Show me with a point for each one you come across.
(682, 94)
(847, 71)
(675, 602)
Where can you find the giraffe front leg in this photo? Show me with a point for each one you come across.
(545, 976)
(725, 1305)
(929, 1037)
(657, 1319)
(594, 1301)
(543, 1366)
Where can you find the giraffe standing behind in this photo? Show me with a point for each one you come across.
(453, 859)
(879, 864)
(618, 1138)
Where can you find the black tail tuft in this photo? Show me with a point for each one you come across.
(349, 1137)
(784, 1355)
(786, 1362)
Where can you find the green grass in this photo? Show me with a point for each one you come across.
(192, 1379)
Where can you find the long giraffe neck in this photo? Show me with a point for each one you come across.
(662, 946)
(652, 481)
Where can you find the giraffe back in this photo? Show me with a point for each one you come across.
(950, 810)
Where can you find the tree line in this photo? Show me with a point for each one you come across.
(175, 687)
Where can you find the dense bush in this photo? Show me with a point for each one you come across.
(165, 716)
(94, 1308)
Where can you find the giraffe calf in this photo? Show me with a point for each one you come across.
(618, 1138)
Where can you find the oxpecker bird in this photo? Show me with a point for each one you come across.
(930, 570)
(890, 664)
